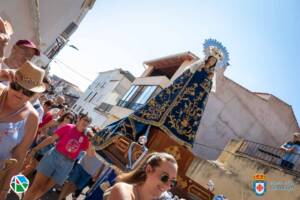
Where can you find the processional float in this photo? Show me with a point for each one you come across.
(166, 123)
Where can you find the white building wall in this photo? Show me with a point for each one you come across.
(19, 14)
(106, 86)
(54, 18)
(56, 15)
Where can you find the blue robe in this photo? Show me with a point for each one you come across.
(177, 110)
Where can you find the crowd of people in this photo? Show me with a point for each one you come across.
(43, 140)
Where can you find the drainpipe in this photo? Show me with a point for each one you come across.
(36, 20)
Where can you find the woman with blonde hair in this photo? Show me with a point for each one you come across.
(155, 175)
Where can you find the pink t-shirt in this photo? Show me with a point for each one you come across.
(71, 142)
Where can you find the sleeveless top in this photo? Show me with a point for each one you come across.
(11, 134)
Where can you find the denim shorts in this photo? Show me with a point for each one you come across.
(79, 177)
(56, 166)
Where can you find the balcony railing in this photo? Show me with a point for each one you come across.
(269, 154)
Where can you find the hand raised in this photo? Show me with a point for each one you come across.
(7, 75)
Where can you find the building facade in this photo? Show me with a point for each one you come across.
(105, 92)
(49, 24)
(234, 112)
(68, 90)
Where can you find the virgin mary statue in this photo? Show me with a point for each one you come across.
(178, 108)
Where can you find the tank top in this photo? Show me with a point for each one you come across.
(11, 134)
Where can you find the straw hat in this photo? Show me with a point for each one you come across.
(30, 77)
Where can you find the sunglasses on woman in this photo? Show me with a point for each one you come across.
(165, 179)
(15, 86)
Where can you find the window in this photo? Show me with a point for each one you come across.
(137, 96)
(78, 108)
(145, 94)
(104, 107)
(103, 84)
(142, 97)
(128, 95)
(81, 111)
(88, 96)
(98, 85)
(69, 30)
(93, 97)
(156, 92)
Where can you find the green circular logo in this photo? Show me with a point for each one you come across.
(19, 183)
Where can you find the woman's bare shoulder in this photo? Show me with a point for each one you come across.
(31, 109)
(32, 116)
(122, 191)
(123, 186)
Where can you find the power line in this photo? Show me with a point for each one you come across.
(72, 69)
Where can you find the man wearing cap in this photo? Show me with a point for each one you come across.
(292, 152)
(23, 50)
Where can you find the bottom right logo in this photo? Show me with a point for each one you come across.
(259, 184)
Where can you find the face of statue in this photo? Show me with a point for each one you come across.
(211, 61)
